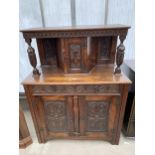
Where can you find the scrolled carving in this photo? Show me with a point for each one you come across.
(120, 54)
(32, 57)
(80, 89)
(69, 89)
(59, 89)
(76, 89)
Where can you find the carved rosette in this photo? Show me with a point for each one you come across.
(120, 54)
(32, 57)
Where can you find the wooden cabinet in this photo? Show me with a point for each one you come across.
(77, 111)
(77, 116)
(77, 92)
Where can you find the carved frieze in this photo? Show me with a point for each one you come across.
(67, 34)
(76, 89)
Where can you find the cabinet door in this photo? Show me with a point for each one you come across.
(98, 116)
(55, 116)
(75, 49)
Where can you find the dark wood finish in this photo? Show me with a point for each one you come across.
(100, 74)
(77, 49)
(48, 51)
(106, 49)
(120, 54)
(24, 135)
(76, 98)
(77, 95)
(129, 117)
(32, 57)
(76, 31)
(96, 117)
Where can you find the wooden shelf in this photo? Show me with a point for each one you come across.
(101, 74)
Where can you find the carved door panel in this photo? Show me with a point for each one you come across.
(75, 54)
(55, 115)
(98, 116)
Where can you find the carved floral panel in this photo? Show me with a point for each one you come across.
(75, 56)
(56, 117)
(97, 115)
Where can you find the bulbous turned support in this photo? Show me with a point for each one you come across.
(32, 57)
(120, 54)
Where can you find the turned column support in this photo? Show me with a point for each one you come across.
(32, 56)
(120, 54)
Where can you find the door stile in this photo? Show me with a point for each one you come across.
(42, 126)
(82, 108)
(70, 113)
(76, 114)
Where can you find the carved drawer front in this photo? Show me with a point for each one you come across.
(98, 115)
(75, 89)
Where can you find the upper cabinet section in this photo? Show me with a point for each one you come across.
(77, 49)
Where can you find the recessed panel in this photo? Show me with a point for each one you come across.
(97, 116)
(56, 117)
(50, 46)
(75, 56)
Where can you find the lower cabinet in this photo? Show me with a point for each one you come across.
(77, 117)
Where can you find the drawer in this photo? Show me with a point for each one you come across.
(75, 89)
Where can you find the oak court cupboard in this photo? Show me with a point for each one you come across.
(79, 91)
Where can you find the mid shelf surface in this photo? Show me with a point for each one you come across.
(100, 74)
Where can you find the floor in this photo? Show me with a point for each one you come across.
(76, 147)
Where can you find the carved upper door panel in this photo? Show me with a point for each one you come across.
(75, 54)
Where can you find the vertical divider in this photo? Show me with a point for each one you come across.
(70, 114)
(76, 114)
(82, 115)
